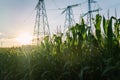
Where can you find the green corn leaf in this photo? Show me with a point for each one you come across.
(105, 25)
(110, 36)
(117, 26)
(110, 68)
(82, 72)
(97, 26)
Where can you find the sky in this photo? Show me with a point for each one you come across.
(18, 16)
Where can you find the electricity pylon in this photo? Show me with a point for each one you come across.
(69, 18)
(90, 11)
(41, 28)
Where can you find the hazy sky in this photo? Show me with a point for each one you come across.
(17, 16)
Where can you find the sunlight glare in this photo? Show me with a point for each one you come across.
(24, 38)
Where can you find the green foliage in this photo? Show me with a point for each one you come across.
(79, 56)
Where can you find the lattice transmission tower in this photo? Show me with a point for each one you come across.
(69, 17)
(41, 28)
(90, 13)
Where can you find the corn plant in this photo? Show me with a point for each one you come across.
(80, 56)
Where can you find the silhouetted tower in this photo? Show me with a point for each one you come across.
(69, 18)
(41, 28)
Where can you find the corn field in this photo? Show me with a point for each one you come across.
(83, 55)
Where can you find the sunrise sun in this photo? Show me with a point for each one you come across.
(24, 38)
